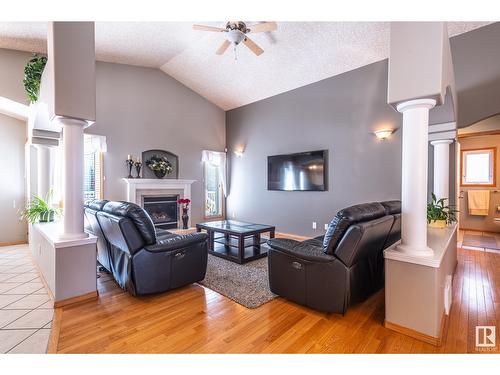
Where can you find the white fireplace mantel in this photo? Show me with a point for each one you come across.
(135, 184)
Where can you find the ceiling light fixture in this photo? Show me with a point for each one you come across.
(237, 33)
(383, 134)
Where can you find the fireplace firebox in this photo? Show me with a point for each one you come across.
(163, 210)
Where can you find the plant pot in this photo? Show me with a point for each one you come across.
(437, 224)
(159, 174)
(46, 217)
(185, 219)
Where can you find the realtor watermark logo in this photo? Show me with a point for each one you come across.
(485, 337)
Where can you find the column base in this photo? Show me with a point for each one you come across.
(73, 236)
(416, 251)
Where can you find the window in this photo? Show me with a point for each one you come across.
(478, 167)
(93, 176)
(213, 191)
(214, 165)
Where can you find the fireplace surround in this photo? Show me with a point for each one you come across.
(142, 190)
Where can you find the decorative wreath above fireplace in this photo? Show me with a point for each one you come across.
(172, 159)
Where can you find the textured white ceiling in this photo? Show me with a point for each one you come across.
(297, 54)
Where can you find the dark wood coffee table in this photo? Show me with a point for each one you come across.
(235, 240)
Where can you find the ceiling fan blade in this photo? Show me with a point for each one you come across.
(253, 46)
(262, 27)
(208, 28)
(223, 47)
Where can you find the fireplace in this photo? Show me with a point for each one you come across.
(140, 188)
(163, 210)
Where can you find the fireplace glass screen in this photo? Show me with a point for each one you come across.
(163, 210)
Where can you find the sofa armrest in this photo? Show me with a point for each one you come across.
(311, 250)
(286, 244)
(175, 242)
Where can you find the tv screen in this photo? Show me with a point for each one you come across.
(305, 171)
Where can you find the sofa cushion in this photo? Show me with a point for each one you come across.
(96, 204)
(347, 217)
(392, 207)
(161, 232)
(139, 217)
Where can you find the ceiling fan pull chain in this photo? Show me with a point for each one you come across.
(235, 54)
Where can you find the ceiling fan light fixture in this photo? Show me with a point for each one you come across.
(236, 33)
(235, 36)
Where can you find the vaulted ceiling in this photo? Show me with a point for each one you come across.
(297, 54)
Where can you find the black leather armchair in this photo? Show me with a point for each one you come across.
(345, 266)
(141, 259)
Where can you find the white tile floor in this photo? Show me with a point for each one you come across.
(25, 307)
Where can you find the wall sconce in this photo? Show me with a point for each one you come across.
(238, 153)
(383, 134)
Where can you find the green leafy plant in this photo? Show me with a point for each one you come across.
(39, 209)
(437, 210)
(33, 75)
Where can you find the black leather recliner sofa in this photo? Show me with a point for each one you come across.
(141, 259)
(345, 266)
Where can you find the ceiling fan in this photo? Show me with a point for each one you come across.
(236, 32)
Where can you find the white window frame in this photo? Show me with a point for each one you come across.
(98, 143)
(205, 194)
(491, 152)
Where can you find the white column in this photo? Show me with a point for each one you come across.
(44, 170)
(442, 168)
(73, 177)
(414, 176)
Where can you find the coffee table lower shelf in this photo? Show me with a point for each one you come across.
(237, 241)
(231, 253)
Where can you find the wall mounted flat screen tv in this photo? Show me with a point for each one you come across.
(305, 171)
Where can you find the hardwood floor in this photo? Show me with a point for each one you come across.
(197, 320)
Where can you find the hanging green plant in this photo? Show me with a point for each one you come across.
(33, 75)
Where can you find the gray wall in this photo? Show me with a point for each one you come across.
(12, 140)
(476, 57)
(142, 108)
(12, 73)
(486, 125)
(338, 114)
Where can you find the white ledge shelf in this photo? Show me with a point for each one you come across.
(437, 239)
(157, 181)
(52, 233)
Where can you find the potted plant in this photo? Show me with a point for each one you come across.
(439, 214)
(39, 209)
(33, 75)
(160, 166)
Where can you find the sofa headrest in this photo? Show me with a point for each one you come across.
(96, 204)
(392, 207)
(345, 218)
(139, 217)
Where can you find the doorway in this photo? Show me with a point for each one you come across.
(478, 185)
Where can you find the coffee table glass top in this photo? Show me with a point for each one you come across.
(234, 226)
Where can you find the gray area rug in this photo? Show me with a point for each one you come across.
(488, 242)
(246, 284)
